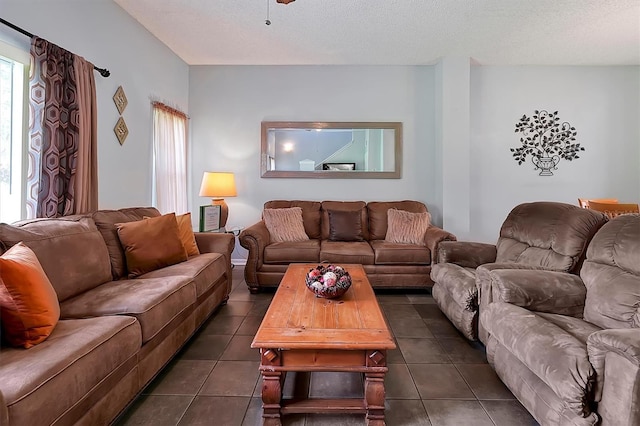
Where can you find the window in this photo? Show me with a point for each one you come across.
(169, 159)
(13, 88)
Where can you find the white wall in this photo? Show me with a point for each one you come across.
(101, 32)
(602, 103)
(227, 104)
(453, 111)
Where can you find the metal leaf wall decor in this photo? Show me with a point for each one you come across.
(547, 140)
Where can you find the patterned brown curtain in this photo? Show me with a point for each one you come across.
(62, 173)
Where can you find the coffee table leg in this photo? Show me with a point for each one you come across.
(272, 382)
(271, 396)
(374, 398)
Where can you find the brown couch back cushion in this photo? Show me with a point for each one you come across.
(359, 206)
(310, 214)
(550, 235)
(70, 249)
(611, 274)
(106, 222)
(377, 211)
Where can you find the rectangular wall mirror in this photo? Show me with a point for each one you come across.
(333, 150)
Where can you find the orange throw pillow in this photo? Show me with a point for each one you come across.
(186, 234)
(28, 302)
(151, 244)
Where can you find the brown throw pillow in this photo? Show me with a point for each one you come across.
(151, 244)
(285, 224)
(186, 234)
(345, 225)
(28, 302)
(406, 227)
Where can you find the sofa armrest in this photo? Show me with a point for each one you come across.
(615, 356)
(254, 238)
(536, 290)
(213, 242)
(4, 411)
(432, 239)
(466, 254)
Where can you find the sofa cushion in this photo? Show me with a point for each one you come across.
(187, 236)
(386, 253)
(551, 346)
(40, 384)
(358, 206)
(151, 244)
(611, 274)
(205, 270)
(339, 252)
(153, 301)
(406, 227)
(59, 244)
(284, 224)
(310, 214)
(345, 225)
(288, 252)
(377, 212)
(28, 303)
(551, 235)
(106, 221)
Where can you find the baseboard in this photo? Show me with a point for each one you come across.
(239, 262)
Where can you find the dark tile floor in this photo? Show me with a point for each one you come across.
(436, 377)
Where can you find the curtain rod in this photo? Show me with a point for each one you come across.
(103, 71)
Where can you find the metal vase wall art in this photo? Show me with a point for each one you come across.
(547, 140)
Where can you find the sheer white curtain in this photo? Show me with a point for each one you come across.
(169, 159)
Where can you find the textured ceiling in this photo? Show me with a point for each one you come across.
(395, 32)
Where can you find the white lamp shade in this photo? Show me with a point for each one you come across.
(218, 185)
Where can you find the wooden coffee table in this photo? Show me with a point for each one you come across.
(301, 332)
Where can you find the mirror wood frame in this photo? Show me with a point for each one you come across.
(330, 174)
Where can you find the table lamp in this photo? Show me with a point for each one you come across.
(219, 185)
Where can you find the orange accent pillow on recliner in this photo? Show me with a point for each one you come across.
(29, 305)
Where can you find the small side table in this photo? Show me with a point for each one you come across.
(236, 230)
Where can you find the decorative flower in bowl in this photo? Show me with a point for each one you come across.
(328, 281)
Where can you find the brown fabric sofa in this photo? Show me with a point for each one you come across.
(573, 367)
(534, 236)
(388, 265)
(114, 333)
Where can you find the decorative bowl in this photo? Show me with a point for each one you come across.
(328, 281)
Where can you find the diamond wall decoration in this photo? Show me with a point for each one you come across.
(120, 99)
(121, 130)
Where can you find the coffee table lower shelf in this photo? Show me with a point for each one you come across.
(274, 371)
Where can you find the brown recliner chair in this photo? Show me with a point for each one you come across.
(581, 369)
(538, 236)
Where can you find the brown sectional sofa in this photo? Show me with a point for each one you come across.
(114, 333)
(578, 366)
(388, 265)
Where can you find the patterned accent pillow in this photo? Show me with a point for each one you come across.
(285, 224)
(407, 228)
